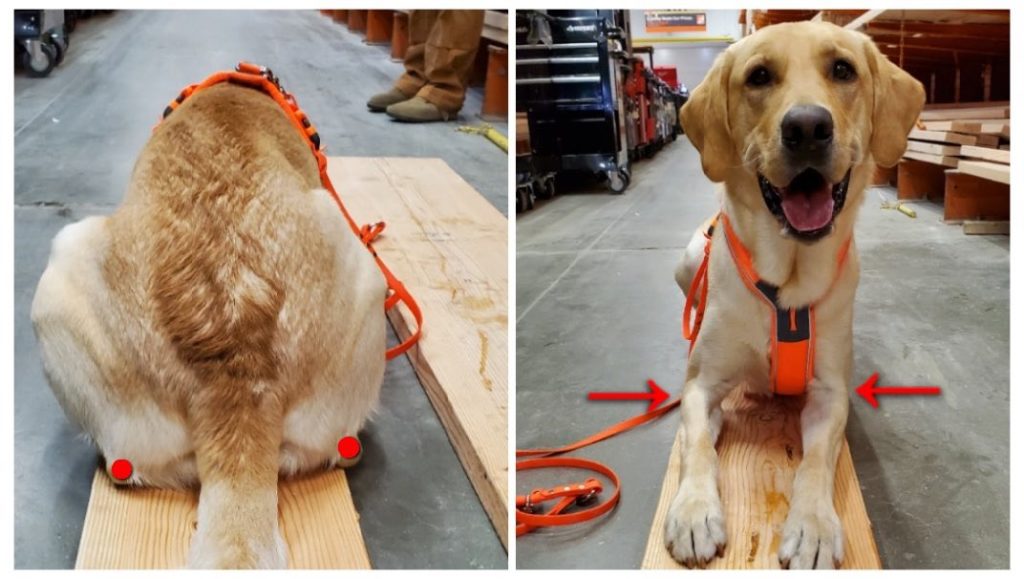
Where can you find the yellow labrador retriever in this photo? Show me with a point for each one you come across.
(223, 326)
(792, 121)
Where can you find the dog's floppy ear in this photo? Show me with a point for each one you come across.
(898, 100)
(705, 119)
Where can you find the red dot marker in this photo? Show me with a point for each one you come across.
(349, 447)
(121, 469)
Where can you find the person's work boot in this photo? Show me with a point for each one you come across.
(418, 110)
(378, 103)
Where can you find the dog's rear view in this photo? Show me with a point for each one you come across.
(223, 326)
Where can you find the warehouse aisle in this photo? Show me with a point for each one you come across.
(77, 134)
(598, 309)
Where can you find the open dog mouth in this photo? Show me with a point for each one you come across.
(807, 206)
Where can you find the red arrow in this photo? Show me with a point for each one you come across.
(868, 390)
(656, 395)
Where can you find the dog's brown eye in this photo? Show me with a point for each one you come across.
(759, 77)
(842, 70)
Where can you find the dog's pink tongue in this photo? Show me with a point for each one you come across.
(808, 210)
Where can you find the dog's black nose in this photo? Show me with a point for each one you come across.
(807, 131)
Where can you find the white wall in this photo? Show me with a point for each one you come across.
(691, 59)
(692, 62)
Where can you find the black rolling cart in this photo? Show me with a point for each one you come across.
(569, 83)
(40, 40)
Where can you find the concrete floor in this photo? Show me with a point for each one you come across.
(598, 309)
(77, 134)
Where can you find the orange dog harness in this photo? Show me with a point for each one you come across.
(261, 78)
(791, 353)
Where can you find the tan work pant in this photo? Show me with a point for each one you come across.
(442, 46)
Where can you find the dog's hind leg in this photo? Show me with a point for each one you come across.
(88, 372)
(347, 353)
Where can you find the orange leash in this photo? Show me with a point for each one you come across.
(528, 518)
(260, 77)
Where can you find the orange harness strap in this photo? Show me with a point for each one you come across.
(791, 353)
(263, 79)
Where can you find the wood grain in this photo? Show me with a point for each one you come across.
(984, 169)
(450, 248)
(943, 137)
(986, 154)
(759, 450)
(954, 126)
(933, 148)
(933, 159)
(986, 227)
(978, 113)
(136, 528)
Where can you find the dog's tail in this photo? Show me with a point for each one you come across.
(237, 447)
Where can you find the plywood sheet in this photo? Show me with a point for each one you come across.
(759, 450)
(135, 528)
(449, 247)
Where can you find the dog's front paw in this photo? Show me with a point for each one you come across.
(812, 538)
(695, 527)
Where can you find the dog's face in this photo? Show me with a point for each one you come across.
(799, 108)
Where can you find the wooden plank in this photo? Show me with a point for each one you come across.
(970, 197)
(449, 247)
(495, 26)
(993, 127)
(919, 180)
(986, 154)
(933, 148)
(759, 450)
(986, 227)
(967, 105)
(954, 126)
(991, 141)
(951, 114)
(942, 137)
(984, 169)
(933, 159)
(863, 19)
(138, 528)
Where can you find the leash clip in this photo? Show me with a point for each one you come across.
(250, 68)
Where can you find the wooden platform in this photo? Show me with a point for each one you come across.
(759, 450)
(450, 248)
(132, 528)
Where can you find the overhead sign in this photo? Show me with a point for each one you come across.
(675, 21)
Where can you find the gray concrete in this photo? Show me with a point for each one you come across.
(598, 309)
(77, 136)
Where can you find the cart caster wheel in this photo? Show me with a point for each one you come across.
(60, 45)
(618, 181)
(43, 63)
(546, 189)
(524, 199)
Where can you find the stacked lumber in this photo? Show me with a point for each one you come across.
(944, 131)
